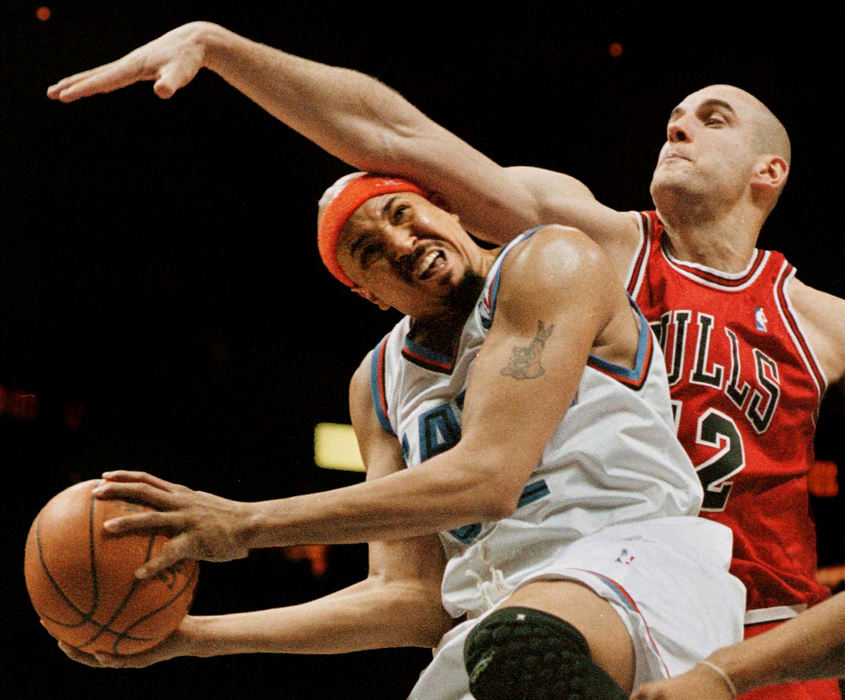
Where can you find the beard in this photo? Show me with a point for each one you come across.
(461, 299)
(439, 331)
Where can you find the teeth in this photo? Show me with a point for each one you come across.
(427, 262)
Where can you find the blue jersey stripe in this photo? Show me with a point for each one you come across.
(631, 376)
(377, 386)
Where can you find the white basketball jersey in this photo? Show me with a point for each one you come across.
(613, 459)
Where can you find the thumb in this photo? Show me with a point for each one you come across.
(172, 77)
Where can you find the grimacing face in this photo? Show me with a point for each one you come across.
(402, 251)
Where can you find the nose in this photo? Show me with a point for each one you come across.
(678, 130)
(402, 245)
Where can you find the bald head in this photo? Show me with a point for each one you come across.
(769, 135)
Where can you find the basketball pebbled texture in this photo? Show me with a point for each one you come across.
(81, 579)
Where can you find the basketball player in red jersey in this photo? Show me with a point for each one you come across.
(750, 349)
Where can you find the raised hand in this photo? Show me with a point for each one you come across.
(171, 61)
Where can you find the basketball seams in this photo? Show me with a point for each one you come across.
(56, 571)
(74, 608)
(187, 588)
(120, 607)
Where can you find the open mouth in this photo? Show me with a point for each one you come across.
(430, 264)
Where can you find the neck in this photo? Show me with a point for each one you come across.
(723, 242)
(439, 331)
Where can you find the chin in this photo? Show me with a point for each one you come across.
(465, 293)
(669, 191)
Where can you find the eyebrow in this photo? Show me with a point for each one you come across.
(706, 105)
(385, 210)
(359, 240)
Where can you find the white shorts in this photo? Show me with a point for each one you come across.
(668, 581)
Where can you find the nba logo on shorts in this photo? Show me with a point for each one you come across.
(625, 557)
(760, 320)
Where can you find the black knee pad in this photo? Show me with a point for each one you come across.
(525, 654)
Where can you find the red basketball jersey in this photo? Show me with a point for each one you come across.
(746, 390)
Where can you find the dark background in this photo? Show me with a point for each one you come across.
(162, 299)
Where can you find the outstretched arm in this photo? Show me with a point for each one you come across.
(369, 126)
(806, 647)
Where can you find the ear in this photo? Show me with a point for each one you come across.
(369, 296)
(770, 173)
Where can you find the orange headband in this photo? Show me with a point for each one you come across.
(344, 204)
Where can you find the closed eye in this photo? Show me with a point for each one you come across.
(398, 213)
(368, 254)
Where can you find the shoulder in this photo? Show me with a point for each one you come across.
(555, 258)
(557, 270)
(822, 318)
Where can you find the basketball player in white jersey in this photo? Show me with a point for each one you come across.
(523, 475)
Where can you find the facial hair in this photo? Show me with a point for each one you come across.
(462, 297)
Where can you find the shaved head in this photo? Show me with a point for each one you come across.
(769, 135)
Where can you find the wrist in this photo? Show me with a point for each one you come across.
(716, 669)
(250, 525)
(199, 638)
(217, 44)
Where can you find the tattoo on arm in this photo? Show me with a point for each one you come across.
(525, 359)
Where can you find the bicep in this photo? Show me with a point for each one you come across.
(564, 200)
(532, 362)
(822, 318)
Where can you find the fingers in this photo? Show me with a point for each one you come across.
(102, 660)
(174, 551)
(171, 61)
(125, 475)
(97, 660)
(106, 78)
(143, 522)
(139, 487)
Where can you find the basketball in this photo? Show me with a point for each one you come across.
(81, 579)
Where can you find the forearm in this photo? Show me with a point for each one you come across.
(809, 646)
(439, 495)
(351, 115)
(362, 617)
(370, 126)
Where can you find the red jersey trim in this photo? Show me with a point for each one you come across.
(638, 267)
(717, 279)
(624, 598)
(793, 327)
(652, 227)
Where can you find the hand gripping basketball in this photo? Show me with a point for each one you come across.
(201, 525)
(81, 581)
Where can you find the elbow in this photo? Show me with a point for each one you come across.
(498, 508)
(494, 498)
(419, 608)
